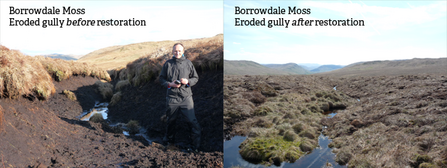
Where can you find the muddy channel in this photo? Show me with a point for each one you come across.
(102, 109)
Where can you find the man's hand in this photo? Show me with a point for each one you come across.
(172, 84)
(184, 81)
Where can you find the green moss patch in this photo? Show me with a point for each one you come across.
(271, 149)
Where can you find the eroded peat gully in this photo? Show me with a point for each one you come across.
(35, 133)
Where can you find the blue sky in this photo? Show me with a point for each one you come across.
(393, 30)
(166, 20)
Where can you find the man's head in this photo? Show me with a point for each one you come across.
(178, 50)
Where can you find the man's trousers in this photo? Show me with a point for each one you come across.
(177, 107)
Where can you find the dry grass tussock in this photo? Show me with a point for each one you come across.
(121, 84)
(60, 69)
(22, 75)
(400, 121)
(104, 88)
(115, 98)
(205, 54)
(70, 95)
(133, 126)
(97, 118)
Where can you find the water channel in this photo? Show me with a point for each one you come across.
(102, 109)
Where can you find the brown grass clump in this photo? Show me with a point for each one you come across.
(206, 54)
(290, 136)
(22, 75)
(70, 95)
(105, 89)
(237, 108)
(260, 122)
(308, 134)
(121, 84)
(116, 98)
(97, 117)
(298, 127)
(262, 110)
(343, 157)
(57, 68)
(306, 146)
(133, 126)
(255, 97)
(60, 69)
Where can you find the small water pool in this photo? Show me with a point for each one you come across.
(100, 108)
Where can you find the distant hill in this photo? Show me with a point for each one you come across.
(326, 68)
(62, 56)
(249, 68)
(399, 67)
(309, 66)
(119, 56)
(291, 68)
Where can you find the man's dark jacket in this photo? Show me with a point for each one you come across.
(175, 69)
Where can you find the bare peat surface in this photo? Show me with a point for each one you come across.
(147, 104)
(36, 133)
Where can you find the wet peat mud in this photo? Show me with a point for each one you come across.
(147, 104)
(35, 133)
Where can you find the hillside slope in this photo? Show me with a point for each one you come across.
(401, 67)
(62, 56)
(249, 68)
(119, 56)
(326, 68)
(291, 68)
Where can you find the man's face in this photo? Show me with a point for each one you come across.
(177, 51)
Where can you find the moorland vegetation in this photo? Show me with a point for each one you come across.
(389, 114)
(22, 75)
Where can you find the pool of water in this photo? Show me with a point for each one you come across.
(100, 108)
(316, 159)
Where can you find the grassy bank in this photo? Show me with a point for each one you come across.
(22, 75)
(206, 54)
